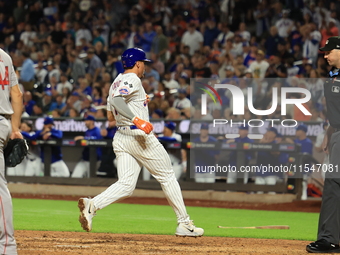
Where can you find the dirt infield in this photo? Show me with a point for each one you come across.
(50, 243)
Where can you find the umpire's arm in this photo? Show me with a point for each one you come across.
(17, 105)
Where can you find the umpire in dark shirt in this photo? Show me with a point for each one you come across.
(329, 220)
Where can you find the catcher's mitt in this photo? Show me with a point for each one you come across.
(15, 152)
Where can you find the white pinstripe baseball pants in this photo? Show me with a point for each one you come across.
(134, 149)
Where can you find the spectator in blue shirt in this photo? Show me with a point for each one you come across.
(58, 104)
(211, 33)
(150, 72)
(95, 65)
(147, 38)
(301, 138)
(27, 72)
(28, 102)
(82, 169)
(243, 138)
(272, 41)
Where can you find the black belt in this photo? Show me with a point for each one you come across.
(6, 116)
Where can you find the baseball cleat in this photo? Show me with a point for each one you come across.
(188, 229)
(87, 212)
(322, 246)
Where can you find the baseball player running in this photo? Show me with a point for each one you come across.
(10, 115)
(135, 145)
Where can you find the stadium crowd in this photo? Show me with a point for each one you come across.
(67, 53)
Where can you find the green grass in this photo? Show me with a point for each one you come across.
(37, 214)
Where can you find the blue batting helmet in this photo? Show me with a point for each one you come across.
(132, 55)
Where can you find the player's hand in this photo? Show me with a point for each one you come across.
(147, 98)
(16, 134)
(103, 132)
(143, 125)
(46, 136)
(79, 137)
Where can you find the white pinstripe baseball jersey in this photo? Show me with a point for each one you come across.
(129, 86)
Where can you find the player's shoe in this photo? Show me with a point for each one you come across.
(322, 246)
(188, 229)
(87, 212)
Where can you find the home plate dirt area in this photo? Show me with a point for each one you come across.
(50, 243)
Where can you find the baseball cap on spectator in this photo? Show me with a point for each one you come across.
(331, 44)
(205, 126)
(302, 127)
(192, 24)
(90, 117)
(279, 135)
(90, 51)
(184, 75)
(182, 91)
(248, 70)
(243, 127)
(75, 94)
(274, 56)
(260, 52)
(244, 44)
(48, 93)
(48, 120)
(212, 19)
(159, 113)
(84, 5)
(170, 125)
(158, 94)
(272, 129)
(308, 61)
(331, 20)
(88, 97)
(229, 68)
(285, 11)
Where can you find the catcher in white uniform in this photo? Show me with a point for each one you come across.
(135, 145)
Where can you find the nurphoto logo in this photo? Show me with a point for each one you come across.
(238, 103)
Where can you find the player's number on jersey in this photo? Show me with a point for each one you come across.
(4, 80)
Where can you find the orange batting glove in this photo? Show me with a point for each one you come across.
(143, 125)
